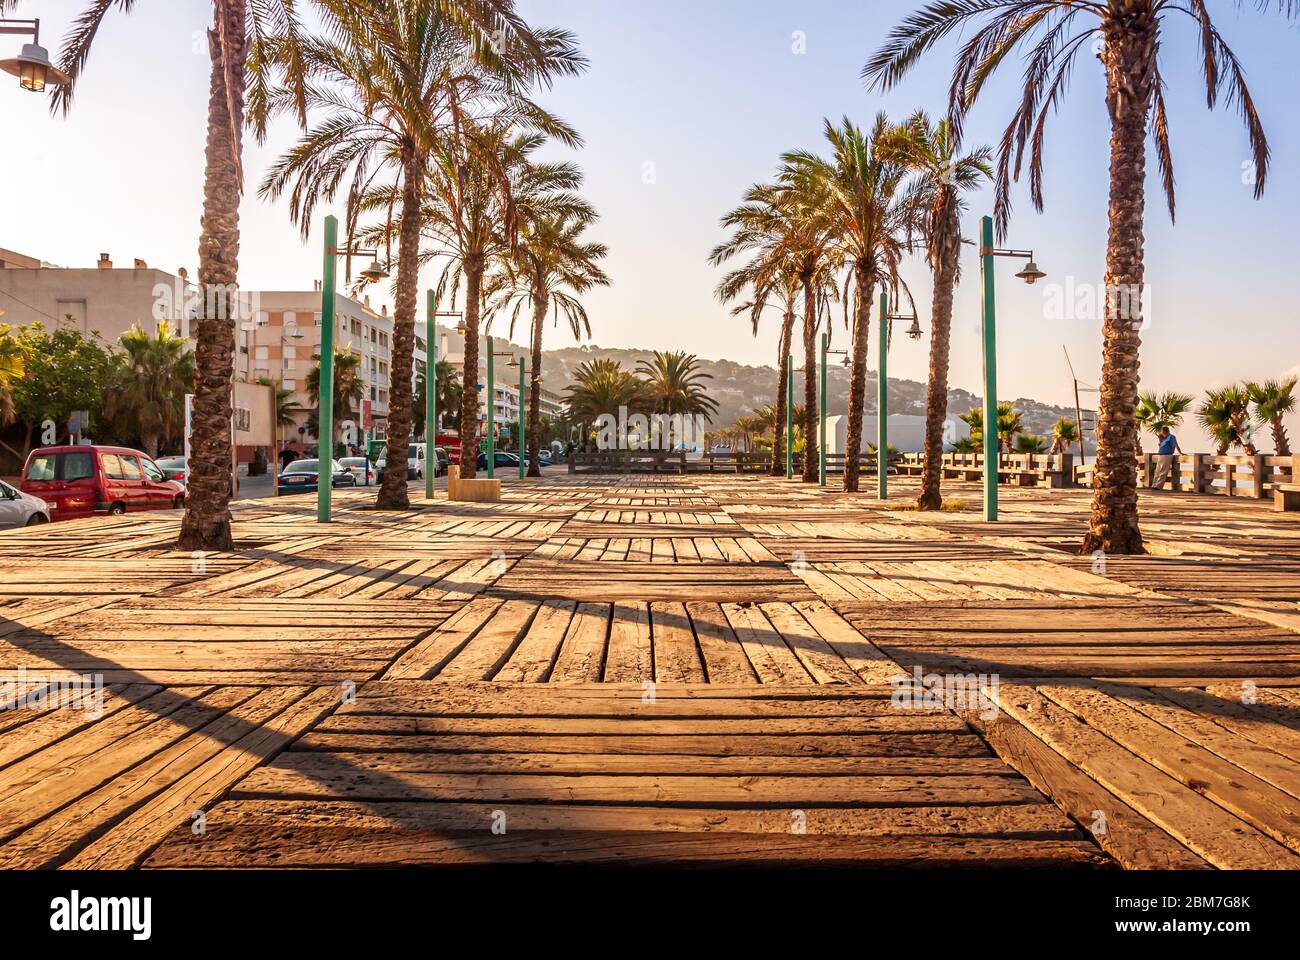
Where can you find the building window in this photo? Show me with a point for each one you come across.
(261, 354)
(290, 384)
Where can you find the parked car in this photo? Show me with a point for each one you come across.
(18, 509)
(501, 460)
(80, 481)
(178, 469)
(442, 460)
(303, 476)
(359, 467)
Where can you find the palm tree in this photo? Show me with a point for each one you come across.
(1130, 32)
(763, 226)
(1273, 400)
(1225, 416)
(12, 367)
(602, 387)
(399, 85)
(1156, 411)
(1030, 443)
(248, 42)
(552, 264)
(933, 151)
(449, 391)
(1064, 435)
(861, 201)
(150, 386)
(480, 185)
(1010, 424)
(674, 385)
(349, 391)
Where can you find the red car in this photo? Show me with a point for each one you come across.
(79, 481)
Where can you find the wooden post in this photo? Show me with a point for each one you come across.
(1148, 466)
(1198, 472)
(1258, 467)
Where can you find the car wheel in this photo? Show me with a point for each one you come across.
(36, 519)
(116, 509)
(178, 503)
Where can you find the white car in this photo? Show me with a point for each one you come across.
(18, 509)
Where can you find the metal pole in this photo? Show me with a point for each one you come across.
(821, 427)
(523, 445)
(491, 400)
(325, 418)
(882, 403)
(431, 399)
(990, 373)
(789, 416)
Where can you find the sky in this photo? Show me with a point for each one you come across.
(684, 106)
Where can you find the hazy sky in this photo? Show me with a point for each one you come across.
(685, 105)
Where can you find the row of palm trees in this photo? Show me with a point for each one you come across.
(838, 228)
(419, 112)
(1229, 414)
(669, 383)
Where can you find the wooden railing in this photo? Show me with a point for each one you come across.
(1206, 473)
(1026, 469)
(665, 461)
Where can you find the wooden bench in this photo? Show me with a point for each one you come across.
(1286, 496)
(476, 490)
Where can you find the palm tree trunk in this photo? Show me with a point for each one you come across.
(392, 492)
(469, 401)
(1281, 443)
(206, 525)
(1129, 57)
(782, 396)
(865, 283)
(936, 402)
(540, 306)
(809, 383)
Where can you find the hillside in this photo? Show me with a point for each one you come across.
(740, 388)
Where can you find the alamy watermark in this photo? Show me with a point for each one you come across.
(659, 431)
(953, 691)
(49, 690)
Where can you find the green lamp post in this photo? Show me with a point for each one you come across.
(491, 402)
(882, 390)
(523, 445)
(1030, 274)
(789, 416)
(821, 426)
(325, 418)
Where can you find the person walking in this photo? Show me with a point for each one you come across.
(1164, 458)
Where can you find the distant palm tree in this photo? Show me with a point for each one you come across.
(860, 199)
(448, 398)
(349, 391)
(1009, 424)
(1030, 443)
(12, 367)
(1273, 400)
(1064, 435)
(600, 387)
(150, 386)
(1156, 411)
(935, 152)
(1225, 416)
(674, 385)
(552, 265)
(1131, 38)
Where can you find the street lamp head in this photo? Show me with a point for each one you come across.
(374, 272)
(914, 331)
(296, 335)
(514, 362)
(846, 362)
(33, 69)
(460, 326)
(1031, 273)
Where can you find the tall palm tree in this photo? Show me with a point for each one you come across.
(861, 199)
(935, 153)
(150, 385)
(349, 391)
(399, 85)
(1155, 411)
(553, 264)
(12, 366)
(1225, 416)
(1130, 32)
(1273, 400)
(674, 385)
(764, 226)
(479, 185)
(600, 388)
(248, 43)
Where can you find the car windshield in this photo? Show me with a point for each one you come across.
(353, 461)
(71, 465)
(302, 466)
(171, 463)
(412, 452)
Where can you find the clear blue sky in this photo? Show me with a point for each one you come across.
(710, 94)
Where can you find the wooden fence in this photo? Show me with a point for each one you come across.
(1023, 469)
(1205, 473)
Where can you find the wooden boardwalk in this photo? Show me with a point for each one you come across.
(631, 669)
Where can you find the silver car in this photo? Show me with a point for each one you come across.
(18, 509)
